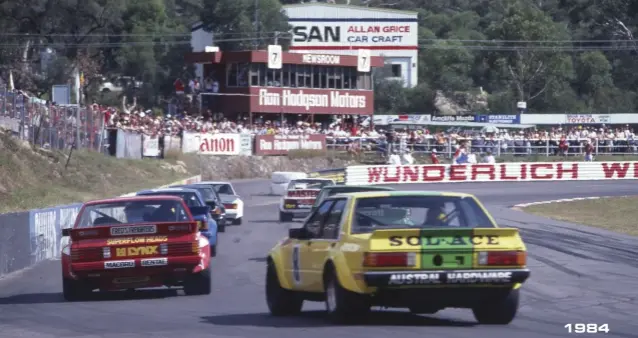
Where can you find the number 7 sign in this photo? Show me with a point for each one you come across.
(363, 63)
(274, 57)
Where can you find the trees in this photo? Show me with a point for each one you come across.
(462, 47)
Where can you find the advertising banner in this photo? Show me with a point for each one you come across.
(282, 144)
(370, 33)
(303, 101)
(150, 146)
(217, 144)
(46, 230)
(499, 119)
(587, 119)
(453, 118)
(383, 120)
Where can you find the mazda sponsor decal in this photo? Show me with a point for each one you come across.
(119, 264)
(154, 262)
(134, 230)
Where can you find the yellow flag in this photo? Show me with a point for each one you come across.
(82, 78)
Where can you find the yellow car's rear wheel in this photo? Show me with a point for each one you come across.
(498, 311)
(342, 305)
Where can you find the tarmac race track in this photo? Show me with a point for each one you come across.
(579, 275)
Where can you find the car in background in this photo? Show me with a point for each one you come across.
(331, 190)
(192, 198)
(300, 196)
(233, 203)
(424, 251)
(213, 200)
(136, 242)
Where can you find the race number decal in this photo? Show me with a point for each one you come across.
(296, 275)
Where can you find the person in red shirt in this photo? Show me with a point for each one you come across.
(589, 151)
(434, 158)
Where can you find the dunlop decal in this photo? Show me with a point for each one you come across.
(137, 251)
(137, 240)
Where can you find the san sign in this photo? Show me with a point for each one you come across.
(330, 35)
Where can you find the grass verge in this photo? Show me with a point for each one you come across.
(617, 214)
(37, 178)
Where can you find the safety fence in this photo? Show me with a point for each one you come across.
(280, 145)
(29, 237)
(50, 126)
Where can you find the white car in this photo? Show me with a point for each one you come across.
(300, 196)
(233, 204)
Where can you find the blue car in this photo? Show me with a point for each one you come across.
(192, 198)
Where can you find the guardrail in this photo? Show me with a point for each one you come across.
(501, 172)
(29, 237)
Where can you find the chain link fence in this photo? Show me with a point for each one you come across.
(51, 126)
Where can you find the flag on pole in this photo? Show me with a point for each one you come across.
(11, 85)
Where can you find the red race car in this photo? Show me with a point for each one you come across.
(135, 242)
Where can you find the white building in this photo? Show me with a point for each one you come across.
(199, 40)
(341, 29)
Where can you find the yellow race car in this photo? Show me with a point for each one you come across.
(424, 251)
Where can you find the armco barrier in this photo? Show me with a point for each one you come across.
(15, 253)
(44, 227)
(500, 172)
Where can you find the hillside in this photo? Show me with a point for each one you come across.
(32, 179)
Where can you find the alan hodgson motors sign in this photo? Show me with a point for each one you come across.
(323, 101)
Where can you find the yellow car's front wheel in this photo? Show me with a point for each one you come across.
(281, 302)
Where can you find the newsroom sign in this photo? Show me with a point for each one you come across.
(282, 144)
(303, 101)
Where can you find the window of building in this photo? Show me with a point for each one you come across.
(301, 76)
(293, 76)
(320, 77)
(285, 75)
(273, 78)
(396, 71)
(254, 74)
(308, 76)
(338, 77)
(349, 78)
(262, 75)
(330, 75)
(232, 72)
(243, 73)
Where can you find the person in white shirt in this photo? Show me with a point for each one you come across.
(489, 158)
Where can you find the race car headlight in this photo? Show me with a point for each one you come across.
(502, 258)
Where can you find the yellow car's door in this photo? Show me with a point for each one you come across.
(306, 249)
(320, 248)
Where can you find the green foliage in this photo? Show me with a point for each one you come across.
(146, 39)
